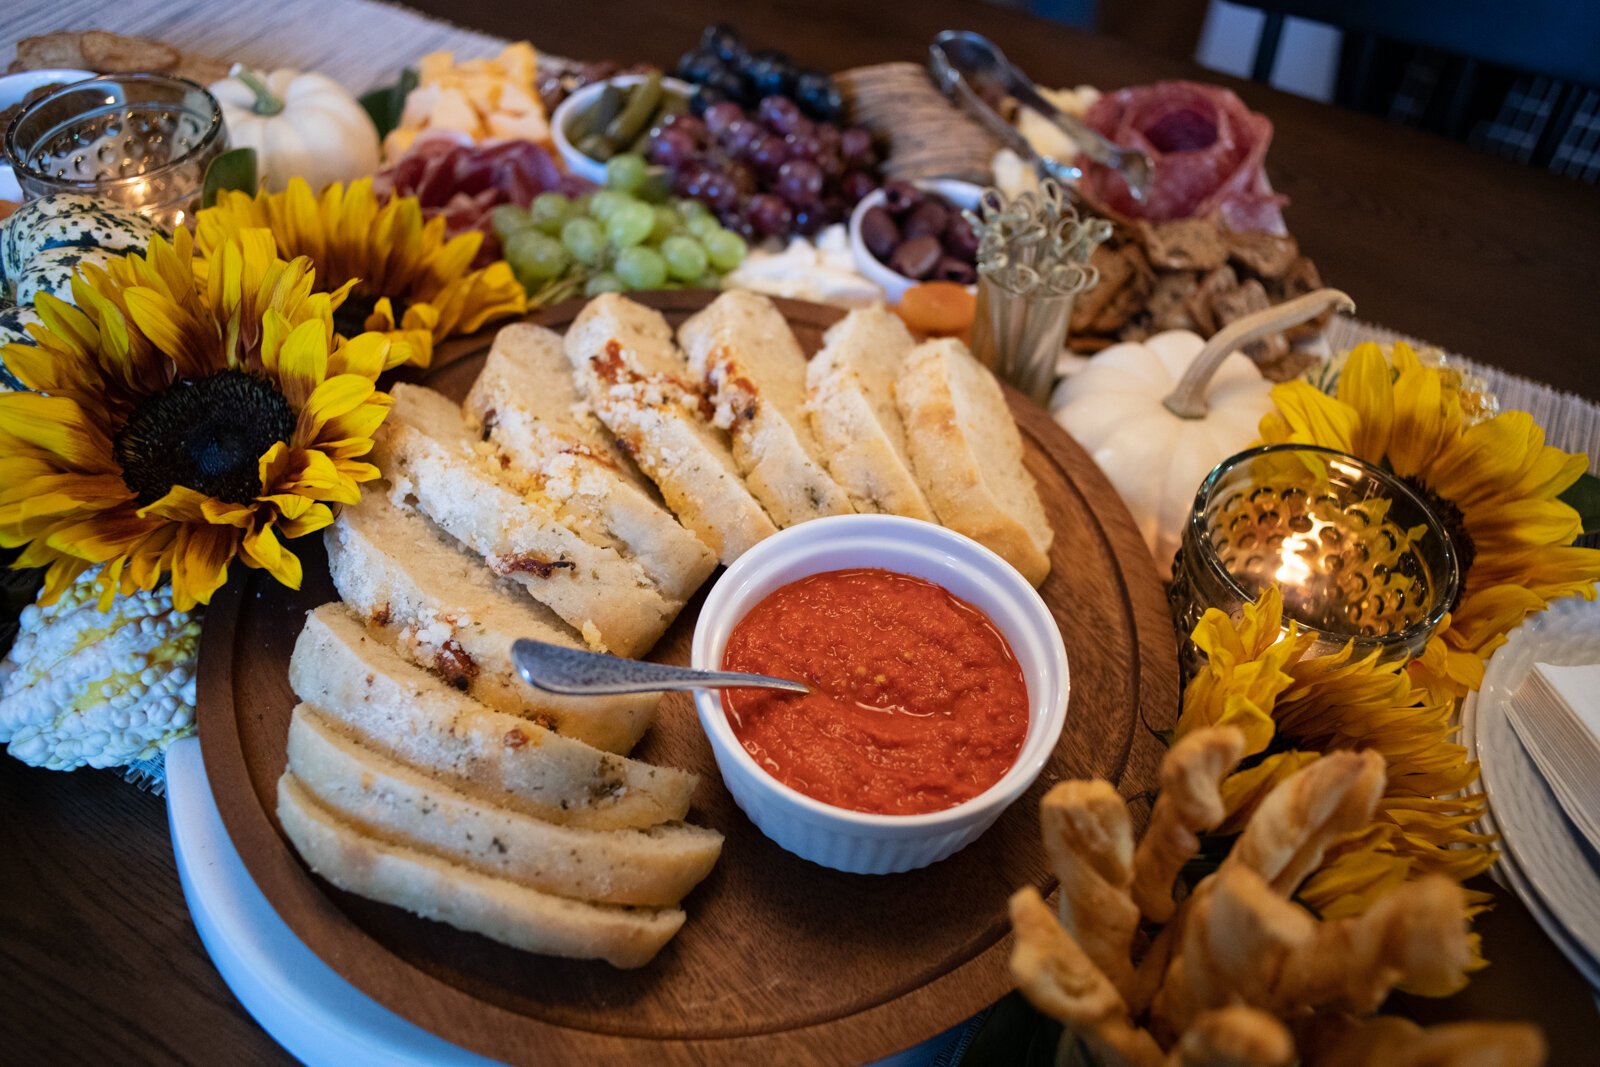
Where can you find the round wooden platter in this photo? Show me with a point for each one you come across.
(780, 960)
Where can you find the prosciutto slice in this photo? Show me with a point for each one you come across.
(1207, 149)
(465, 182)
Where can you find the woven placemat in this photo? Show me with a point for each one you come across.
(361, 43)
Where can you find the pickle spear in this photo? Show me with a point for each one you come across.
(636, 113)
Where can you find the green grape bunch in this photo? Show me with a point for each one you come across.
(629, 236)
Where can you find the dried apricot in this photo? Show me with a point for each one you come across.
(939, 309)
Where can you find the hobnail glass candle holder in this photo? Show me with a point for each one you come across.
(143, 141)
(1359, 556)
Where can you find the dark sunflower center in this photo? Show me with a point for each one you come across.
(351, 318)
(206, 434)
(1455, 527)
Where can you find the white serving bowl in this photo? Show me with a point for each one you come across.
(961, 194)
(583, 166)
(13, 88)
(857, 841)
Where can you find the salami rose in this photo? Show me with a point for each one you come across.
(1207, 149)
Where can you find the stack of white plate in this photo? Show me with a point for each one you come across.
(1545, 859)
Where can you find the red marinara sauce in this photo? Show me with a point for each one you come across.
(919, 702)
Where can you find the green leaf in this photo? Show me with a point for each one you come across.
(234, 170)
(384, 105)
(1013, 1035)
(1584, 498)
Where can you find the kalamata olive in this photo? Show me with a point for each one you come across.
(901, 196)
(950, 269)
(916, 258)
(959, 240)
(879, 232)
(929, 217)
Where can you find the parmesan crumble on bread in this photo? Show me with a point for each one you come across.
(741, 350)
(655, 866)
(554, 413)
(624, 362)
(522, 407)
(966, 452)
(850, 400)
(429, 456)
(442, 608)
(467, 899)
(393, 706)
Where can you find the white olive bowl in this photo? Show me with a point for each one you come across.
(583, 166)
(894, 285)
(855, 841)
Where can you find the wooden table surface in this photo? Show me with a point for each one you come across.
(98, 957)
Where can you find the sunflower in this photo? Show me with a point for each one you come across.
(177, 423)
(1292, 706)
(410, 282)
(1493, 482)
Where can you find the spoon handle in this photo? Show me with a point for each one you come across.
(572, 672)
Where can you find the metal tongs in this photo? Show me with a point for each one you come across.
(972, 68)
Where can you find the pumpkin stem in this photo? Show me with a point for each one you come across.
(266, 102)
(1188, 400)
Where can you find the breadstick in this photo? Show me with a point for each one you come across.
(1089, 840)
(1335, 1040)
(1235, 1036)
(1416, 932)
(1236, 937)
(1059, 979)
(1292, 829)
(1190, 801)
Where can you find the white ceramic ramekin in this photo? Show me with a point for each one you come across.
(894, 286)
(583, 166)
(852, 840)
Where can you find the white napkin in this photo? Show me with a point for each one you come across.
(1556, 714)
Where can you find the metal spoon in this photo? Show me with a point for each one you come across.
(968, 64)
(568, 671)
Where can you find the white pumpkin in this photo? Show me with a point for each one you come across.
(301, 126)
(1158, 415)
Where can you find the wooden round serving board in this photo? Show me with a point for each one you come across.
(780, 961)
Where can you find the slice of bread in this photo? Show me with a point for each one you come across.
(384, 799)
(626, 366)
(390, 704)
(741, 349)
(443, 609)
(966, 452)
(850, 399)
(522, 352)
(466, 899)
(530, 425)
(427, 453)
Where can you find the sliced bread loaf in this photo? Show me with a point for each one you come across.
(966, 452)
(850, 399)
(442, 608)
(396, 707)
(464, 898)
(523, 353)
(427, 453)
(748, 362)
(384, 799)
(626, 366)
(538, 441)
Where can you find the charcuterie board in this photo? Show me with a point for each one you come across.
(781, 960)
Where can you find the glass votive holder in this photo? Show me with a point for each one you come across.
(1358, 555)
(143, 141)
